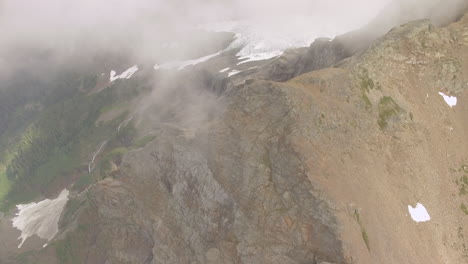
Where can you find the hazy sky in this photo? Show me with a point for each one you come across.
(139, 24)
(62, 21)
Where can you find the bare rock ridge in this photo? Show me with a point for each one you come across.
(316, 169)
(324, 52)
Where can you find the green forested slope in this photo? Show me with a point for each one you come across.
(48, 131)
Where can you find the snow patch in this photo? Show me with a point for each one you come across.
(90, 164)
(180, 65)
(225, 69)
(258, 41)
(40, 218)
(450, 100)
(259, 57)
(233, 72)
(125, 75)
(124, 123)
(419, 213)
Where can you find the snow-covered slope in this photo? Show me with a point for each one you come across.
(180, 65)
(125, 75)
(40, 218)
(258, 40)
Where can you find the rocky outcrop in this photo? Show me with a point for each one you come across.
(228, 195)
(324, 52)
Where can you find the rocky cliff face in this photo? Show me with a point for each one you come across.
(315, 169)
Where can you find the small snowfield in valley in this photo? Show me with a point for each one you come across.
(125, 75)
(450, 100)
(419, 213)
(233, 72)
(180, 65)
(40, 218)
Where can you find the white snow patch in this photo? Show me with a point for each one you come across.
(112, 76)
(125, 75)
(419, 213)
(124, 123)
(40, 218)
(90, 164)
(180, 65)
(257, 40)
(450, 100)
(225, 69)
(260, 56)
(233, 72)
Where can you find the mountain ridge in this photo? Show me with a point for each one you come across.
(313, 157)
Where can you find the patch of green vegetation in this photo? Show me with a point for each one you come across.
(114, 106)
(71, 249)
(464, 168)
(462, 238)
(366, 84)
(88, 82)
(53, 146)
(70, 209)
(357, 216)
(125, 137)
(388, 108)
(18, 193)
(64, 251)
(464, 209)
(365, 236)
(84, 181)
(24, 258)
(117, 152)
(321, 119)
(117, 146)
(83, 228)
(50, 148)
(462, 184)
(266, 160)
(366, 101)
(48, 133)
(110, 158)
(141, 142)
(4, 185)
(55, 130)
(59, 164)
(93, 140)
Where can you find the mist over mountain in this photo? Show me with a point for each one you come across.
(233, 131)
